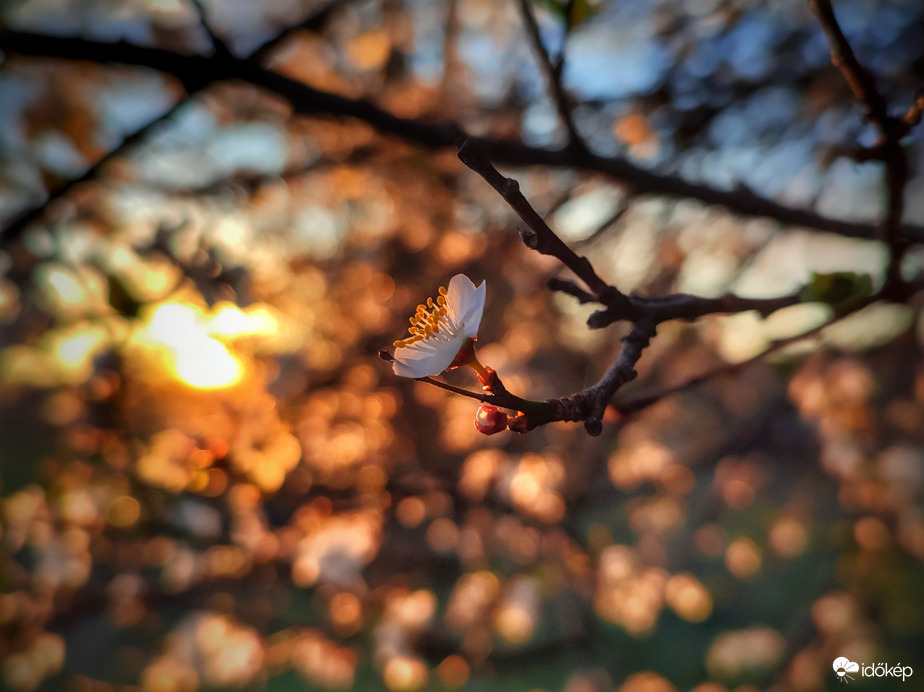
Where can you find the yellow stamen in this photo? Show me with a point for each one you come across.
(426, 320)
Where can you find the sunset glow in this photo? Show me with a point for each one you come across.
(185, 338)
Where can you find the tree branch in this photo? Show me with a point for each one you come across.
(196, 71)
(645, 314)
(17, 226)
(617, 305)
(642, 402)
(539, 237)
(861, 82)
(888, 149)
(19, 223)
(553, 76)
(218, 44)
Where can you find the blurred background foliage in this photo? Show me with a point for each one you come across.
(210, 481)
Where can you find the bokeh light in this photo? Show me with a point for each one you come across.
(211, 481)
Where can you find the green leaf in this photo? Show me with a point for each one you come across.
(573, 13)
(835, 288)
(581, 11)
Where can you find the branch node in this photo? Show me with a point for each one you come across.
(529, 238)
(593, 426)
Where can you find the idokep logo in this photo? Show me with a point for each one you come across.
(843, 667)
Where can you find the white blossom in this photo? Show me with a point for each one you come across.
(439, 329)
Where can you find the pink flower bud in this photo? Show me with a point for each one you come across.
(489, 420)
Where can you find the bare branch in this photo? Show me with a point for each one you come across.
(618, 306)
(18, 225)
(218, 44)
(539, 237)
(645, 314)
(21, 222)
(683, 306)
(313, 22)
(888, 149)
(623, 371)
(196, 71)
(553, 74)
(642, 402)
(861, 82)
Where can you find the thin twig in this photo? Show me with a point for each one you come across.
(313, 22)
(612, 219)
(539, 237)
(218, 44)
(15, 228)
(572, 289)
(888, 149)
(200, 70)
(22, 221)
(388, 358)
(553, 73)
(642, 402)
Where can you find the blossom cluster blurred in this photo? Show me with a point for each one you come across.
(210, 481)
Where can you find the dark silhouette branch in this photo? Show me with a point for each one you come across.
(642, 402)
(17, 226)
(553, 74)
(218, 44)
(571, 289)
(617, 305)
(539, 236)
(645, 314)
(195, 71)
(23, 220)
(888, 149)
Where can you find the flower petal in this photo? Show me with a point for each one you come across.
(465, 303)
(429, 357)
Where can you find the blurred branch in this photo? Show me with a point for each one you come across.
(195, 71)
(218, 44)
(553, 73)
(316, 21)
(22, 221)
(861, 82)
(15, 228)
(642, 402)
(611, 220)
(888, 149)
(452, 64)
